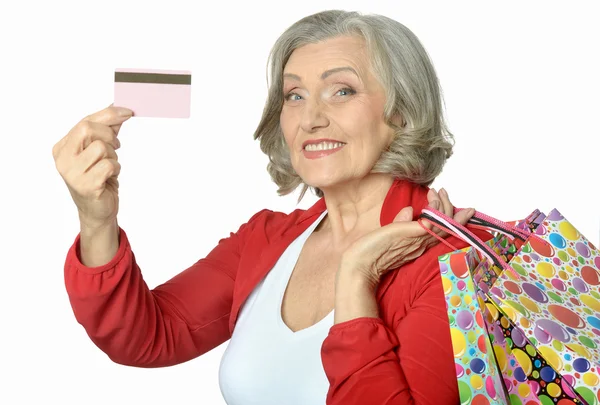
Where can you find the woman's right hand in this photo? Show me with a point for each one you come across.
(87, 161)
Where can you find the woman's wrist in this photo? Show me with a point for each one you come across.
(98, 244)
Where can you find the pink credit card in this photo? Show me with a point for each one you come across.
(154, 92)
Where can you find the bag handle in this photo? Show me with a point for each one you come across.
(499, 226)
(459, 231)
(485, 222)
(454, 228)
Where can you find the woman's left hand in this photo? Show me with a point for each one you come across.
(398, 243)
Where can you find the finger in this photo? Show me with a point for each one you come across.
(86, 132)
(410, 229)
(101, 173)
(102, 132)
(432, 227)
(440, 232)
(113, 181)
(116, 128)
(432, 198)
(435, 204)
(95, 152)
(405, 214)
(111, 115)
(448, 209)
(463, 216)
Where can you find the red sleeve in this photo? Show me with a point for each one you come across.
(177, 321)
(411, 362)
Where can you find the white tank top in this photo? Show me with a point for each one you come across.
(265, 363)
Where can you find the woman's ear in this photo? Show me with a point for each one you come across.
(398, 120)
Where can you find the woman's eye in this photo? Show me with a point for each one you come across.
(346, 91)
(292, 97)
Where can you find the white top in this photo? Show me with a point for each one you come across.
(265, 363)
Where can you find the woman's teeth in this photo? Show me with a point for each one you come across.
(323, 146)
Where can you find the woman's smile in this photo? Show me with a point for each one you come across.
(316, 151)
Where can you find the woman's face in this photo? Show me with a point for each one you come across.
(331, 94)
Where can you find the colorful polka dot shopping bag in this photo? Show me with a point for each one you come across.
(478, 374)
(538, 300)
(483, 378)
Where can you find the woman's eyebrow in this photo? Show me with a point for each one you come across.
(325, 74)
(338, 69)
(292, 76)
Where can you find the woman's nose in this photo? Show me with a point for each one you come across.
(314, 116)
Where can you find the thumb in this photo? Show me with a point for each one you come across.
(405, 215)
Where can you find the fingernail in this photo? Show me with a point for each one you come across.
(443, 192)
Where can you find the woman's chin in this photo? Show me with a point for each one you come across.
(323, 183)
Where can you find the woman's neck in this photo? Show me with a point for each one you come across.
(354, 209)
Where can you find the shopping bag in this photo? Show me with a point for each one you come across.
(477, 372)
(556, 289)
(521, 385)
(502, 335)
(482, 377)
(546, 305)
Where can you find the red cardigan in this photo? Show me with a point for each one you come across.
(403, 357)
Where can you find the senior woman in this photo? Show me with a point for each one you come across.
(341, 303)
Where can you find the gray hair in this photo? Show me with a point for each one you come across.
(399, 61)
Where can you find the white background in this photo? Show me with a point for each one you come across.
(521, 88)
